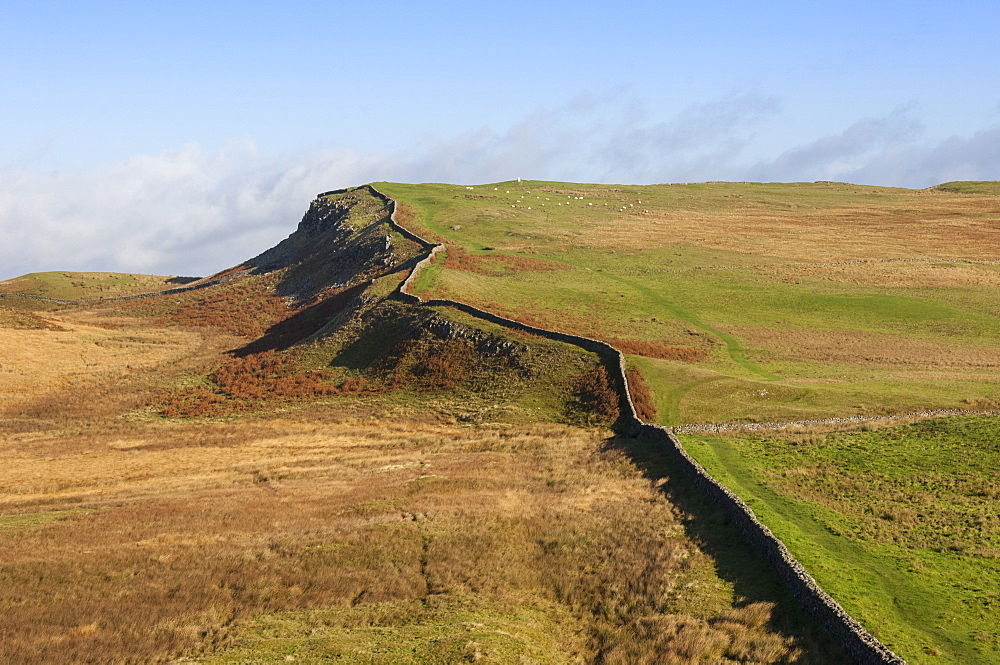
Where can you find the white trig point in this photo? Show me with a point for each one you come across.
(519, 180)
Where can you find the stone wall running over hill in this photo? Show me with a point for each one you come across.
(858, 642)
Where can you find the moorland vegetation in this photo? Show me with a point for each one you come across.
(293, 464)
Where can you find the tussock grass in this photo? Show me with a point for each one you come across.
(19, 319)
(198, 539)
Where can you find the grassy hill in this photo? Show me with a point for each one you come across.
(294, 464)
(87, 285)
(801, 300)
(759, 302)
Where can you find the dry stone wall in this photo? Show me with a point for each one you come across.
(713, 428)
(858, 642)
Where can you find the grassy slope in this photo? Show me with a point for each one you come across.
(84, 285)
(683, 275)
(908, 544)
(728, 267)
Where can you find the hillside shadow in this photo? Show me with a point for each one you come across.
(302, 324)
(737, 563)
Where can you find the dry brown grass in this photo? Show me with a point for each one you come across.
(903, 223)
(641, 347)
(184, 531)
(18, 319)
(38, 361)
(190, 530)
(868, 349)
(458, 258)
(895, 274)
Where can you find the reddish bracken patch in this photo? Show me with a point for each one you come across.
(246, 383)
(596, 393)
(642, 396)
(246, 308)
(444, 368)
(458, 258)
(424, 366)
(640, 347)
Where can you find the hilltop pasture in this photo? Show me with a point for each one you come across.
(805, 300)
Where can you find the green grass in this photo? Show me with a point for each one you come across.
(972, 187)
(445, 630)
(900, 525)
(85, 285)
(663, 292)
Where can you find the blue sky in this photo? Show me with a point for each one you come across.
(185, 137)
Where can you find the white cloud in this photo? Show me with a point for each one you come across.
(191, 211)
(184, 211)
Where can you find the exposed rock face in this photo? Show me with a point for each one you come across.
(343, 240)
(489, 344)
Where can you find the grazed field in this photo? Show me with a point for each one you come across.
(898, 286)
(900, 524)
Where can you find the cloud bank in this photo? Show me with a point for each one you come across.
(190, 211)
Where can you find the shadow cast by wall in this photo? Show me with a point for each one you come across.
(752, 577)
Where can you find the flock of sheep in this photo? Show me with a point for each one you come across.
(520, 203)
